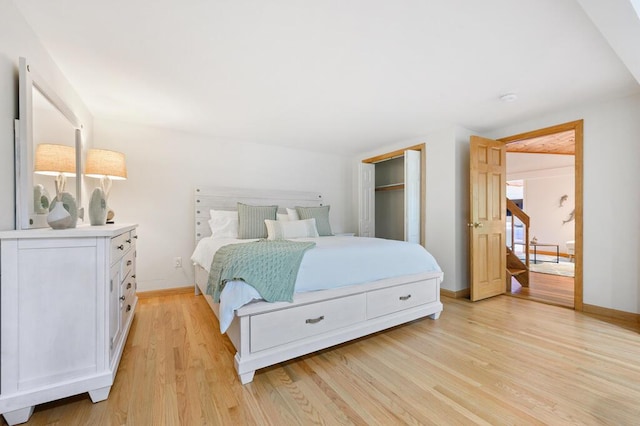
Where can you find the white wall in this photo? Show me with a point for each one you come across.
(165, 166)
(447, 177)
(17, 39)
(546, 179)
(542, 204)
(611, 201)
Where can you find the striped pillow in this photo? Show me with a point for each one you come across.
(251, 220)
(320, 214)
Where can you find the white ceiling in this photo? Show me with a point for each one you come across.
(331, 75)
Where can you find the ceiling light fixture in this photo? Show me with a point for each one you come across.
(508, 97)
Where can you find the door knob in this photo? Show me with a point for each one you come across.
(475, 225)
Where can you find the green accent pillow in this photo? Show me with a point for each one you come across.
(251, 220)
(320, 214)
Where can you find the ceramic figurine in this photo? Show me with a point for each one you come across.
(40, 199)
(98, 207)
(59, 217)
(69, 204)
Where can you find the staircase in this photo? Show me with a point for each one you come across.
(516, 268)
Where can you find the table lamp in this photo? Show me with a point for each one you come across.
(56, 160)
(59, 161)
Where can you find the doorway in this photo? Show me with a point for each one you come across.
(563, 139)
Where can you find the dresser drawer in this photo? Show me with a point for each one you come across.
(133, 234)
(279, 327)
(128, 264)
(128, 286)
(394, 299)
(127, 309)
(119, 246)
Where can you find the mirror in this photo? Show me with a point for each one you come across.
(47, 130)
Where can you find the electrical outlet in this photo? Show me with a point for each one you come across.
(177, 262)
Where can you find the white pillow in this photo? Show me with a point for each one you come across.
(224, 223)
(293, 214)
(227, 214)
(283, 217)
(285, 230)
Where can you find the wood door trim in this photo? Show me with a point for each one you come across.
(578, 127)
(394, 154)
(423, 180)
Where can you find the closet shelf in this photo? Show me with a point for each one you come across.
(390, 187)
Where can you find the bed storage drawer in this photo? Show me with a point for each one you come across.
(394, 299)
(279, 327)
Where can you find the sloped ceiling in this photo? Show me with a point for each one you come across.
(338, 76)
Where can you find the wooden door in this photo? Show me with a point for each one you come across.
(412, 186)
(487, 225)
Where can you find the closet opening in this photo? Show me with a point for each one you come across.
(392, 195)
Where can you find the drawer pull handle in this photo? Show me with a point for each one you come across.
(135, 237)
(407, 297)
(122, 298)
(128, 241)
(129, 263)
(128, 308)
(133, 276)
(314, 320)
(120, 247)
(128, 286)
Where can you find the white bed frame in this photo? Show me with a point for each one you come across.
(315, 320)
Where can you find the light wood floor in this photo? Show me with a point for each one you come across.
(498, 361)
(553, 289)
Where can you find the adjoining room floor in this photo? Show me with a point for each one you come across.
(552, 289)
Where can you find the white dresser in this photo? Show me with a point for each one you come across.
(67, 299)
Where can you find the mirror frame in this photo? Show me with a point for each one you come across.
(24, 148)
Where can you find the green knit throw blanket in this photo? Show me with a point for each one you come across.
(270, 266)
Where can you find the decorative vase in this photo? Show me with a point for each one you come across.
(68, 203)
(98, 207)
(59, 217)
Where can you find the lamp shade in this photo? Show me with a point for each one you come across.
(104, 163)
(53, 160)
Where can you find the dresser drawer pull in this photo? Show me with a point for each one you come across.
(122, 298)
(133, 276)
(120, 247)
(128, 241)
(135, 237)
(407, 297)
(128, 286)
(129, 263)
(314, 320)
(128, 308)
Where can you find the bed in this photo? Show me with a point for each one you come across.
(315, 319)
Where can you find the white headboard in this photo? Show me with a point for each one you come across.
(221, 198)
